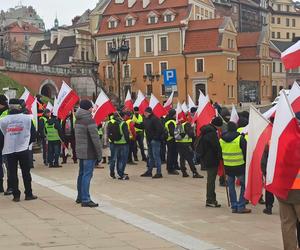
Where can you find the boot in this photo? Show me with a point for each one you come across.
(103, 160)
(268, 210)
(1, 186)
(184, 174)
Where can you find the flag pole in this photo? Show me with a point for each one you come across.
(226, 186)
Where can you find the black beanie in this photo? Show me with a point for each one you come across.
(172, 112)
(85, 104)
(217, 121)
(148, 110)
(193, 110)
(3, 100)
(231, 127)
(136, 109)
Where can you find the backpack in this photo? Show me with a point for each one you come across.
(179, 132)
(114, 132)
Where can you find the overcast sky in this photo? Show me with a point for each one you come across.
(47, 9)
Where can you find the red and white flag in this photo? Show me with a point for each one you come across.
(204, 114)
(191, 103)
(28, 99)
(234, 117)
(184, 107)
(128, 104)
(141, 102)
(102, 108)
(284, 157)
(157, 108)
(259, 132)
(180, 115)
(66, 100)
(291, 56)
(294, 97)
(169, 103)
(49, 106)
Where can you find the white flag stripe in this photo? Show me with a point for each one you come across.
(191, 103)
(153, 101)
(169, 101)
(234, 117)
(102, 98)
(128, 96)
(184, 107)
(140, 98)
(291, 49)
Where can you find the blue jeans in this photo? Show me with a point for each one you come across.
(154, 156)
(53, 152)
(121, 152)
(113, 157)
(241, 203)
(86, 168)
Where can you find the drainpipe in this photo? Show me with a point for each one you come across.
(185, 76)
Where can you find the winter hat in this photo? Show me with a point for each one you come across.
(148, 110)
(243, 122)
(85, 104)
(217, 121)
(172, 112)
(3, 100)
(136, 109)
(231, 127)
(193, 110)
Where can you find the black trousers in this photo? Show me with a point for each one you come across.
(211, 185)
(132, 147)
(186, 154)
(23, 159)
(172, 156)
(269, 199)
(45, 150)
(140, 142)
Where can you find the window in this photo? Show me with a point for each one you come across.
(163, 89)
(109, 45)
(152, 19)
(273, 34)
(82, 55)
(126, 71)
(163, 66)
(263, 70)
(26, 37)
(278, 20)
(87, 56)
(230, 91)
(45, 58)
(163, 43)
(110, 72)
(199, 67)
(149, 89)
(287, 35)
(26, 48)
(129, 22)
(280, 67)
(278, 34)
(288, 8)
(274, 67)
(230, 64)
(294, 22)
(169, 18)
(234, 9)
(267, 70)
(148, 69)
(210, 15)
(287, 22)
(293, 36)
(148, 45)
(279, 7)
(112, 24)
(206, 13)
(273, 19)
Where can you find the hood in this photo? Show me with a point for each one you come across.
(230, 136)
(83, 114)
(208, 129)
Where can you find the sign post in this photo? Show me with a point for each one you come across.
(170, 80)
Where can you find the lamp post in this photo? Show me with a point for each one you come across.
(119, 53)
(151, 77)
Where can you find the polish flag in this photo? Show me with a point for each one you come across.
(49, 106)
(158, 109)
(28, 98)
(185, 108)
(259, 132)
(102, 108)
(180, 115)
(294, 97)
(291, 56)
(284, 157)
(191, 103)
(65, 102)
(141, 102)
(204, 114)
(234, 117)
(128, 104)
(169, 103)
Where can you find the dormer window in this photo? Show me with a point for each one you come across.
(152, 18)
(169, 16)
(130, 21)
(112, 23)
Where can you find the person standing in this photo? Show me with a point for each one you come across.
(41, 132)
(154, 130)
(88, 151)
(210, 153)
(234, 148)
(17, 132)
(184, 134)
(172, 153)
(54, 137)
(69, 137)
(112, 159)
(132, 137)
(138, 119)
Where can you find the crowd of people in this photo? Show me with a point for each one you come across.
(220, 149)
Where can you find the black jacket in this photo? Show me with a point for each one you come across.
(125, 130)
(63, 126)
(229, 137)
(153, 127)
(209, 148)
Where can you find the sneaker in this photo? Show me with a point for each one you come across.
(75, 161)
(16, 199)
(174, 172)
(8, 192)
(234, 211)
(213, 204)
(125, 177)
(57, 166)
(197, 175)
(131, 163)
(78, 201)
(267, 211)
(30, 197)
(157, 176)
(89, 204)
(185, 174)
(244, 211)
(64, 162)
(146, 174)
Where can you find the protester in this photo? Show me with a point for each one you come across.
(88, 151)
(132, 137)
(210, 153)
(138, 119)
(234, 154)
(69, 137)
(16, 133)
(41, 133)
(154, 130)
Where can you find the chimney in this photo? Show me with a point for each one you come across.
(131, 3)
(145, 3)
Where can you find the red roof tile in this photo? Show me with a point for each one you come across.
(22, 27)
(249, 53)
(275, 54)
(205, 24)
(246, 39)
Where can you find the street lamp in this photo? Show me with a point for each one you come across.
(151, 77)
(119, 53)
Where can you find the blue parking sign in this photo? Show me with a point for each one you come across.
(170, 77)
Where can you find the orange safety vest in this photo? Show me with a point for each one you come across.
(296, 184)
